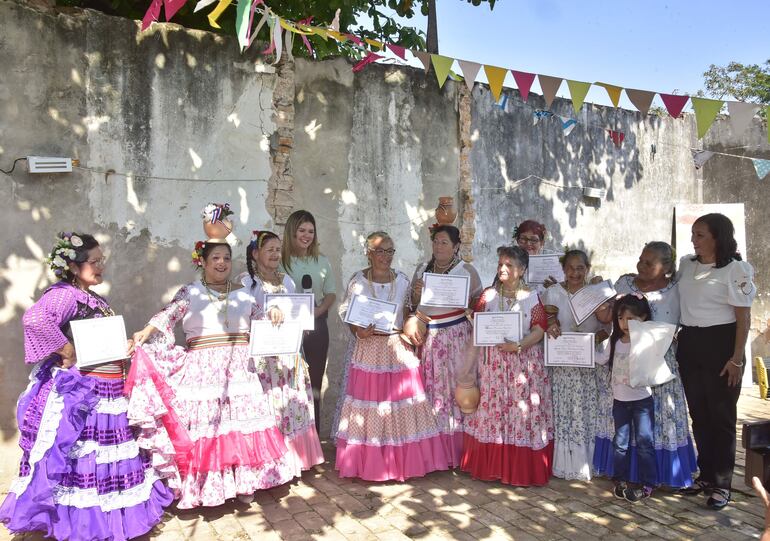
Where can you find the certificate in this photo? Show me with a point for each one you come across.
(570, 349)
(99, 340)
(586, 300)
(364, 311)
(541, 267)
(492, 328)
(295, 307)
(268, 340)
(445, 290)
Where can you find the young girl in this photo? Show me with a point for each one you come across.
(632, 408)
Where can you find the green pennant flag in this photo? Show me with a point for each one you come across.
(705, 113)
(242, 22)
(441, 65)
(578, 91)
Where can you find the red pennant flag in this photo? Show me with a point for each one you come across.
(524, 82)
(152, 14)
(617, 137)
(397, 50)
(354, 39)
(674, 104)
(172, 6)
(370, 57)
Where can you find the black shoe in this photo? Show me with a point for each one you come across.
(697, 487)
(619, 490)
(719, 499)
(634, 495)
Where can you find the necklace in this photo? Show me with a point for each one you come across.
(220, 297)
(391, 293)
(444, 269)
(106, 312)
(275, 280)
(501, 295)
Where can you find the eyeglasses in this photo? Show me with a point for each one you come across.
(97, 262)
(380, 252)
(529, 240)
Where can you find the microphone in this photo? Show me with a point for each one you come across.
(307, 283)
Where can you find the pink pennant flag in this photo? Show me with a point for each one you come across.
(370, 57)
(151, 15)
(617, 137)
(524, 82)
(172, 6)
(674, 103)
(354, 39)
(549, 85)
(397, 50)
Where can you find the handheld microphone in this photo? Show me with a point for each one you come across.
(307, 283)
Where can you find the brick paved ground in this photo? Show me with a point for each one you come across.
(451, 505)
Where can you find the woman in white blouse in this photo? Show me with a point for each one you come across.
(716, 290)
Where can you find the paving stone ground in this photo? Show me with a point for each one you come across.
(451, 505)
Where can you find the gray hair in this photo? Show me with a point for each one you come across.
(374, 236)
(665, 253)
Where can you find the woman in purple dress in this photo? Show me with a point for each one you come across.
(82, 475)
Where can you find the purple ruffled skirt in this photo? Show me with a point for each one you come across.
(82, 475)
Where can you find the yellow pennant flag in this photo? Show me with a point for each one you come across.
(613, 92)
(495, 76)
(318, 31)
(336, 35)
(578, 91)
(374, 43)
(705, 113)
(214, 15)
(441, 65)
(292, 28)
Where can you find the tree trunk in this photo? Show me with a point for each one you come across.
(432, 41)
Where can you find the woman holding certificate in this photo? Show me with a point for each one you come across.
(510, 436)
(386, 425)
(441, 332)
(237, 447)
(82, 474)
(574, 387)
(284, 377)
(716, 291)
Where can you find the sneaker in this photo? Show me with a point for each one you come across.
(634, 495)
(619, 490)
(245, 498)
(697, 487)
(719, 499)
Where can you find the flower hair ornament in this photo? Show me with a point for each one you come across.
(63, 253)
(197, 254)
(257, 237)
(432, 229)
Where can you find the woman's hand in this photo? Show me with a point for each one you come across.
(140, 337)
(509, 347)
(417, 291)
(130, 347)
(67, 354)
(596, 280)
(732, 370)
(362, 333)
(550, 281)
(275, 316)
(414, 330)
(554, 330)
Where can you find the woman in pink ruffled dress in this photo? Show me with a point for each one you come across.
(387, 429)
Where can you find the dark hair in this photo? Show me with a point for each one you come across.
(514, 252)
(81, 253)
(454, 236)
(721, 228)
(638, 306)
(296, 219)
(666, 254)
(256, 244)
(208, 247)
(575, 253)
(530, 225)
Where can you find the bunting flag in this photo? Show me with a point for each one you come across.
(368, 59)
(338, 36)
(355, 39)
(700, 157)
(260, 24)
(549, 86)
(242, 23)
(374, 43)
(152, 14)
(398, 50)
(674, 103)
(441, 65)
(741, 115)
(705, 113)
(422, 57)
(578, 91)
(617, 137)
(567, 125)
(524, 82)
(202, 4)
(642, 99)
(540, 114)
(762, 167)
(470, 71)
(495, 76)
(613, 92)
(214, 15)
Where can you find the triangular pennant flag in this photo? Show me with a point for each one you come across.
(374, 43)
(441, 65)
(398, 50)
(152, 14)
(336, 35)
(705, 113)
(567, 125)
(762, 167)
(613, 92)
(260, 24)
(578, 91)
(370, 57)
(214, 15)
(470, 70)
(317, 30)
(423, 57)
(354, 39)
(242, 23)
(524, 82)
(700, 157)
(202, 4)
(172, 6)
(495, 76)
(674, 103)
(741, 115)
(642, 99)
(540, 113)
(617, 137)
(549, 86)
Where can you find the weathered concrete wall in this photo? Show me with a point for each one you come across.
(183, 119)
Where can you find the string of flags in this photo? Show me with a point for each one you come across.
(700, 157)
(283, 31)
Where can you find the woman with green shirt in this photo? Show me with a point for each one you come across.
(302, 260)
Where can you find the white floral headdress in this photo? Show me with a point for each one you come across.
(63, 253)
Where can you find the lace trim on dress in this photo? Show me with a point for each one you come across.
(389, 442)
(114, 406)
(195, 393)
(88, 497)
(105, 454)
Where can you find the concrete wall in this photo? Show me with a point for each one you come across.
(182, 119)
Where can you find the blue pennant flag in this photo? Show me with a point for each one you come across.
(762, 167)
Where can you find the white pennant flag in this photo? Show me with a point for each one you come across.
(202, 4)
(423, 57)
(741, 115)
(470, 70)
(700, 157)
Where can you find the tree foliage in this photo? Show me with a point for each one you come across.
(381, 20)
(742, 82)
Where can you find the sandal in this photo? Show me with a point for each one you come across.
(719, 499)
(696, 488)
